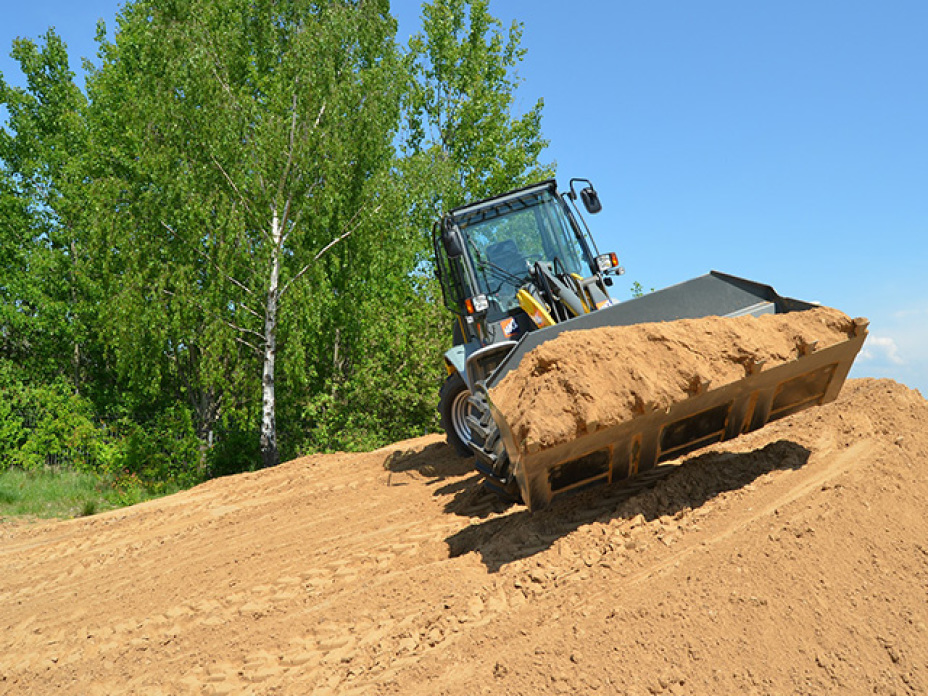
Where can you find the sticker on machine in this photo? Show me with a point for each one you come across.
(510, 326)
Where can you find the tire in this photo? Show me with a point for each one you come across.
(454, 407)
(491, 458)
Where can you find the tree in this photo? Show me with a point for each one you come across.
(460, 141)
(42, 152)
(459, 106)
(15, 230)
(241, 138)
(231, 235)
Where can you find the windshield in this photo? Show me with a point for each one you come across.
(507, 239)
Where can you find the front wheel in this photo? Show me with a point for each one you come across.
(454, 407)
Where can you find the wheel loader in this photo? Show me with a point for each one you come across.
(521, 268)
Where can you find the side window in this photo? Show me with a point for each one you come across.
(451, 274)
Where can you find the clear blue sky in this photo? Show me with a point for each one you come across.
(785, 142)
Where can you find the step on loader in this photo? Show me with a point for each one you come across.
(518, 270)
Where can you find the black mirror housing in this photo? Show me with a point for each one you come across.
(590, 200)
(451, 240)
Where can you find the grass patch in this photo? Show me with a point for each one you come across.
(52, 493)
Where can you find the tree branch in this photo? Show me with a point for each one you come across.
(285, 174)
(248, 344)
(284, 220)
(324, 249)
(231, 325)
(228, 178)
(299, 212)
(319, 116)
(215, 265)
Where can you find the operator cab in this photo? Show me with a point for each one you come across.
(507, 241)
(520, 261)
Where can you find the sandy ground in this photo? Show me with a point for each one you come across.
(793, 560)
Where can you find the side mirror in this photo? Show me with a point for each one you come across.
(588, 194)
(451, 240)
(590, 200)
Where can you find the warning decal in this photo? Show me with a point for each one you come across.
(510, 326)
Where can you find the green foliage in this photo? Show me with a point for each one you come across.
(638, 290)
(59, 427)
(460, 102)
(241, 203)
(242, 138)
(235, 449)
(389, 390)
(46, 286)
(160, 454)
(45, 423)
(12, 426)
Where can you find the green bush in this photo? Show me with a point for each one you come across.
(236, 450)
(12, 430)
(158, 455)
(46, 425)
(60, 430)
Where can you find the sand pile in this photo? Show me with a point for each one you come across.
(793, 560)
(583, 381)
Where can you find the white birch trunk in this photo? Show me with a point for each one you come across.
(269, 454)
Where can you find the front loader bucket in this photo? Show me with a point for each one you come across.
(634, 446)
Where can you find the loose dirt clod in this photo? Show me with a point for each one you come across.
(608, 375)
(791, 560)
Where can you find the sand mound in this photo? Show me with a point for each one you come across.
(587, 380)
(793, 560)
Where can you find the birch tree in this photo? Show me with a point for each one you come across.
(242, 138)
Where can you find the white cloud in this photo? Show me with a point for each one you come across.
(910, 313)
(881, 349)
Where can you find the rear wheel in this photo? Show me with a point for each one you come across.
(454, 407)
